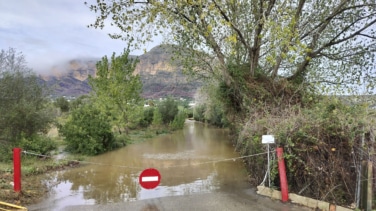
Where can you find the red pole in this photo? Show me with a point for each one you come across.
(282, 175)
(17, 169)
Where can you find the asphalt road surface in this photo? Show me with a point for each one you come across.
(217, 201)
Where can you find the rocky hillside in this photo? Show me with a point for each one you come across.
(159, 76)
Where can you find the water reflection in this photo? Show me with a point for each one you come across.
(183, 158)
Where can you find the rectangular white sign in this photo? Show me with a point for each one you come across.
(268, 139)
(149, 179)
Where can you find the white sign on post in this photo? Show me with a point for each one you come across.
(267, 139)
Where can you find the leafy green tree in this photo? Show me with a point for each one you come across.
(38, 144)
(88, 131)
(198, 112)
(168, 109)
(23, 102)
(117, 89)
(157, 118)
(299, 40)
(265, 57)
(147, 117)
(79, 101)
(179, 120)
(62, 103)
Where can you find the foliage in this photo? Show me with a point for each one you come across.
(88, 131)
(62, 103)
(198, 113)
(168, 109)
(23, 102)
(321, 42)
(179, 120)
(189, 112)
(147, 118)
(208, 106)
(79, 101)
(321, 143)
(268, 60)
(117, 90)
(37, 144)
(6, 152)
(157, 118)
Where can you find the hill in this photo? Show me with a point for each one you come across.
(160, 78)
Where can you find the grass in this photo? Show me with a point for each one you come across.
(32, 187)
(139, 135)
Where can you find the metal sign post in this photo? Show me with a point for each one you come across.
(268, 139)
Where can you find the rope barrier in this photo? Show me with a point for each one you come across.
(135, 167)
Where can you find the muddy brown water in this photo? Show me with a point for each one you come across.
(190, 161)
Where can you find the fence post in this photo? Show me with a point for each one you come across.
(17, 169)
(282, 175)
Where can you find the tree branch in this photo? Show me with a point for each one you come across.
(368, 36)
(334, 42)
(238, 32)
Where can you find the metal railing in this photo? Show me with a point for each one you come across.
(11, 207)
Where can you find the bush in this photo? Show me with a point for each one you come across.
(5, 152)
(147, 118)
(37, 144)
(320, 142)
(178, 122)
(168, 109)
(62, 103)
(198, 113)
(88, 131)
(189, 112)
(157, 118)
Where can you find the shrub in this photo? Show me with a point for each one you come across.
(168, 109)
(5, 152)
(88, 131)
(178, 122)
(157, 118)
(198, 113)
(320, 142)
(37, 144)
(62, 103)
(147, 118)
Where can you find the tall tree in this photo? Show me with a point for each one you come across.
(22, 98)
(117, 89)
(321, 41)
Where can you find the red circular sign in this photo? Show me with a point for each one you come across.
(150, 178)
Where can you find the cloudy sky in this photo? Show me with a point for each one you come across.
(49, 32)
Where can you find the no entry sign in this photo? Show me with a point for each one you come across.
(150, 178)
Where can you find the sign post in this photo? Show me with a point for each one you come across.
(268, 139)
(150, 178)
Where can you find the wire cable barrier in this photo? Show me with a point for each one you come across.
(139, 167)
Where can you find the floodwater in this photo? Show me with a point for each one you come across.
(192, 160)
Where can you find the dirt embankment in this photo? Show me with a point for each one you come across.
(33, 189)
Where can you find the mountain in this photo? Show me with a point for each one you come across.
(159, 76)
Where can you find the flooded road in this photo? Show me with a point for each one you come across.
(190, 161)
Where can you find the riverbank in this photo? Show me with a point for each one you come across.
(33, 167)
(33, 189)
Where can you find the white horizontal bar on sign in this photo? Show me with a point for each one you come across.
(149, 179)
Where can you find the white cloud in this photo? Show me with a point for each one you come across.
(52, 31)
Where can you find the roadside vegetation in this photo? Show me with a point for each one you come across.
(270, 67)
(112, 116)
(275, 67)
